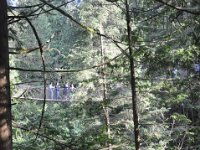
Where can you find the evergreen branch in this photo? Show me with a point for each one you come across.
(153, 16)
(31, 14)
(25, 7)
(89, 29)
(70, 17)
(179, 8)
(163, 39)
(21, 15)
(180, 145)
(148, 10)
(39, 134)
(175, 124)
(73, 70)
(46, 11)
(118, 6)
(122, 50)
(34, 11)
(13, 21)
(26, 51)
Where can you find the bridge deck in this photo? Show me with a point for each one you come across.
(37, 93)
(37, 99)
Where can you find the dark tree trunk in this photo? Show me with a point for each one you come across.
(133, 82)
(5, 102)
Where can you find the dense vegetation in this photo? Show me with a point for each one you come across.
(125, 58)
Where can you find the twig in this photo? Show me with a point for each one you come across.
(179, 8)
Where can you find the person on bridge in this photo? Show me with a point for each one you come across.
(196, 68)
(66, 91)
(51, 89)
(57, 89)
(72, 88)
(174, 73)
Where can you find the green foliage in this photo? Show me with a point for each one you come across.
(163, 39)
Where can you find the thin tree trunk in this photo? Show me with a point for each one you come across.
(5, 101)
(133, 82)
(104, 88)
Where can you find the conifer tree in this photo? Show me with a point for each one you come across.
(5, 101)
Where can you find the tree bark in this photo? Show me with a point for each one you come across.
(5, 101)
(132, 81)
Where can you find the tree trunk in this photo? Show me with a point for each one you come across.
(133, 82)
(5, 102)
(104, 89)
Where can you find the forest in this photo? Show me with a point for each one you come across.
(100, 75)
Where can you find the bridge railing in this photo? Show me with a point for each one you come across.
(37, 92)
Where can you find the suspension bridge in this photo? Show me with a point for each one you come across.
(37, 93)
